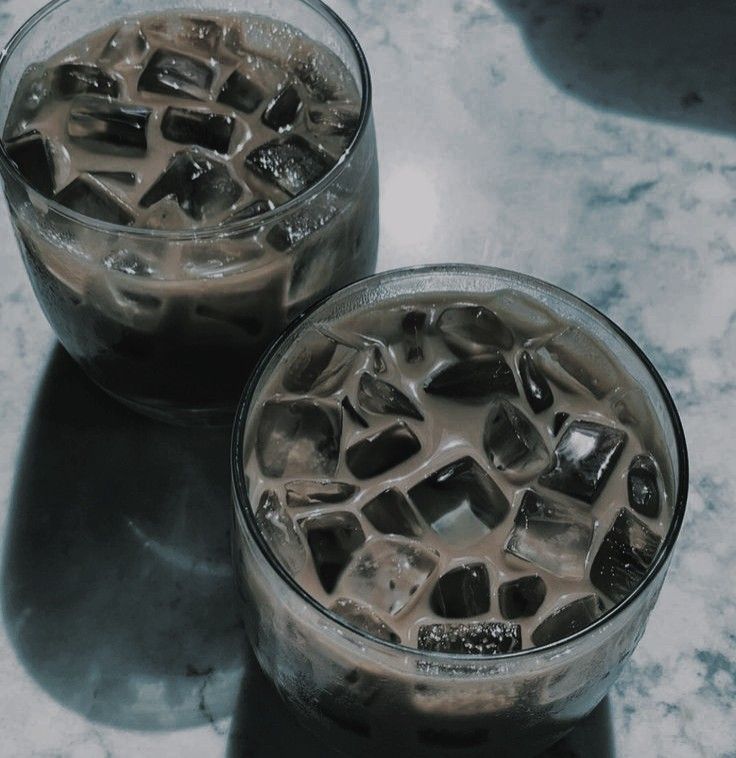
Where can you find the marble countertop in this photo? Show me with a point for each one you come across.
(588, 143)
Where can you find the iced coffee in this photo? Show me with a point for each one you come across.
(456, 493)
(208, 176)
(445, 473)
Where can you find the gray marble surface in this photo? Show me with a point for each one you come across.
(588, 143)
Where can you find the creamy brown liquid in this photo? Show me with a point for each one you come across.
(452, 429)
(176, 323)
(274, 57)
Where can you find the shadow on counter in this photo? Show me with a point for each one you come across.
(263, 727)
(117, 587)
(670, 61)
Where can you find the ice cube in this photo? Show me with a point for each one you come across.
(352, 414)
(633, 408)
(317, 364)
(32, 155)
(479, 638)
(211, 261)
(140, 301)
(473, 330)
(283, 109)
(276, 526)
(574, 353)
(127, 262)
(334, 120)
(387, 573)
(390, 513)
(31, 94)
(322, 73)
(310, 493)
(127, 178)
(332, 539)
(521, 598)
(460, 502)
(172, 73)
(378, 361)
(292, 164)
(624, 557)
(298, 437)
(241, 93)
(233, 42)
(412, 326)
(310, 261)
(71, 79)
(109, 128)
(128, 44)
(377, 396)
(527, 316)
(642, 486)
(90, 198)
(553, 535)
(536, 387)
(165, 214)
(510, 440)
(567, 620)
(201, 185)
(473, 379)
(559, 422)
(203, 33)
(203, 128)
(584, 459)
(381, 451)
(462, 592)
(364, 618)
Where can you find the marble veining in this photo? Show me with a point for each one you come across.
(589, 143)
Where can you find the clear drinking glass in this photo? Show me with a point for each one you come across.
(366, 695)
(180, 344)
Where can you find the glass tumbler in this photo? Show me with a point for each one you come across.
(178, 340)
(365, 695)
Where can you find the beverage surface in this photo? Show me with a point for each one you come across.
(458, 473)
(173, 121)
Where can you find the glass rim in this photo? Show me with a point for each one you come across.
(233, 228)
(242, 501)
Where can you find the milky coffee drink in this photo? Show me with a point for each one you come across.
(458, 473)
(168, 124)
